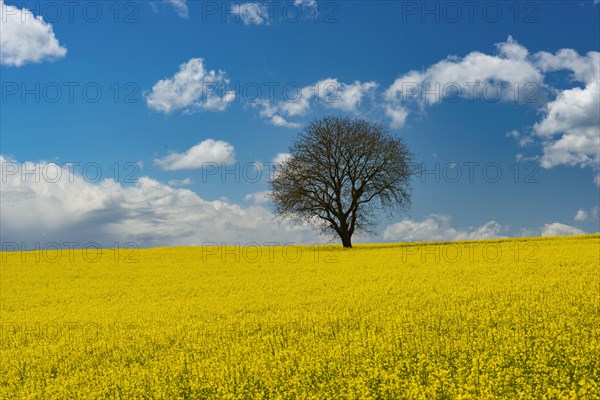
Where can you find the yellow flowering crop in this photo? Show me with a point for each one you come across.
(467, 320)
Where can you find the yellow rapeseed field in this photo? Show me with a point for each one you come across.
(490, 319)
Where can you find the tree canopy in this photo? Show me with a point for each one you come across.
(341, 172)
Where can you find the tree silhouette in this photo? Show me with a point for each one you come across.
(342, 172)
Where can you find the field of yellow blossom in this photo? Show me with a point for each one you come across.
(489, 319)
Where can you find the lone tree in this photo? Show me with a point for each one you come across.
(341, 173)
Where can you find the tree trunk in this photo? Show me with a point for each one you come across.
(346, 238)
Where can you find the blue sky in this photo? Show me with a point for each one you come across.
(187, 97)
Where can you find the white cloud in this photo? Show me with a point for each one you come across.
(328, 92)
(584, 68)
(437, 228)
(468, 77)
(281, 158)
(269, 111)
(584, 216)
(521, 139)
(342, 96)
(558, 229)
(252, 13)
(581, 216)
(570, 127)
(513, 134)
(148, 213)
(26, 38)
(258, 197)
(180, 182)
(278, 120)
(569, 131)
(398, 115)
(207, 151)
(180, 7)
(192, 88)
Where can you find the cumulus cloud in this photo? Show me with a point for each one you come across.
(281, 158)
(329, 92)
(558, 229)
(192, 88)
(398, 115)
(477, 75)
(208, 151)
(569, 130)
(581, 216)
(437, 228)
(570, 127)
(522, 140)
(180, 182)
(25, 38)
(149, 213)
(270, 112)
(180, 7)
(584, 216)
(345, 97)
(261, 197)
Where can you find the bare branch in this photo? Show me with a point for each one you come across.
(343, 172)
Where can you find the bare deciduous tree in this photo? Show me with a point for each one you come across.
(342, 172)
